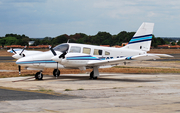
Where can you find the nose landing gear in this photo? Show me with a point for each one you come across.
(56, 73)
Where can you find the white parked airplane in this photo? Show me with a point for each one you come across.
(83, 56)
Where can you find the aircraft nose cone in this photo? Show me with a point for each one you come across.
(56, 58)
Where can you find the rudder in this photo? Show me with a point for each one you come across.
(142, 38)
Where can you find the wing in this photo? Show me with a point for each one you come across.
(127, 59)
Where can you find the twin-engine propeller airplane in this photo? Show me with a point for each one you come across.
(83, 56)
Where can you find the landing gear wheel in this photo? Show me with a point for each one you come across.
(92, 75)
(56, 73)
(39, 76)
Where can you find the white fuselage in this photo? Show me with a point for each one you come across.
(78, 55)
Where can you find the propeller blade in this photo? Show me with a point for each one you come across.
(52, 50)
(22, 50)
(19, 67)
(63, 55)
(13, 51)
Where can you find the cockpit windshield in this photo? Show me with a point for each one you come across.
(61, 47)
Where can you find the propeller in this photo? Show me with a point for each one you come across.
(23, 51)
(52, 50)
(57, 58)
(63, 55)
(18, 56)
(13, 51)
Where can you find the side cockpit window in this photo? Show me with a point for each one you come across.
(97, 52)
(75, 49)
(107, 53)
(86, 50)
(61, 47)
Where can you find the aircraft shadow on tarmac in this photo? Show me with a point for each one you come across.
(69, 78)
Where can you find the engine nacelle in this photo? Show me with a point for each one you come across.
(17, 56)
(59, 60)
(56, 58)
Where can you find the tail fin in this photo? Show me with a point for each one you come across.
(142, 38)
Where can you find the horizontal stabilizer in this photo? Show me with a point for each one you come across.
(161, 55)
(143, 57)
(148, 57)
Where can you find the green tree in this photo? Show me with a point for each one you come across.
(173, 43)
(102, 38)
(59, 39)
(178, 43)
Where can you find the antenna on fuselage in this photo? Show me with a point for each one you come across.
(68, 40)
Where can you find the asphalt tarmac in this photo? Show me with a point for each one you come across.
(6, 58)
(111, 93)
(15, 94)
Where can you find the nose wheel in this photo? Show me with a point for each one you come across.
(56, 73)
(39, 75)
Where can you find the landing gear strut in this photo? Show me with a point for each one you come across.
(95, 73)
(56, 73)
(39, 75)
(92, 75)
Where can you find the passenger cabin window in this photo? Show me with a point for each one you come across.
(86, 50)
(97, 52)
(75, 49)
(61, 47)
(107, 53)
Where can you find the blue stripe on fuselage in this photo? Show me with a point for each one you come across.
(82, 58)
(36, 61)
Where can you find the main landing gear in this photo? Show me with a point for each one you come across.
(95, 73)
(39, 75)
(92, 75)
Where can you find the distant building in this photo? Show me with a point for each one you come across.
(163, 46)
(29, 47)
(105, 45)
(124, 44)
(168, 47)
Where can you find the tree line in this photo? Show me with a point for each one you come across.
(101, 38)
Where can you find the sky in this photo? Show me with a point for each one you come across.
(42, 18)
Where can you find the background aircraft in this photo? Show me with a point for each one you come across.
(83, 56)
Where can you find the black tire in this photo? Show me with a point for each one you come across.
(39, 76)
(56, 73)
(92, 75)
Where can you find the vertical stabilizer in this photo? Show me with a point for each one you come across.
(142, 38)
